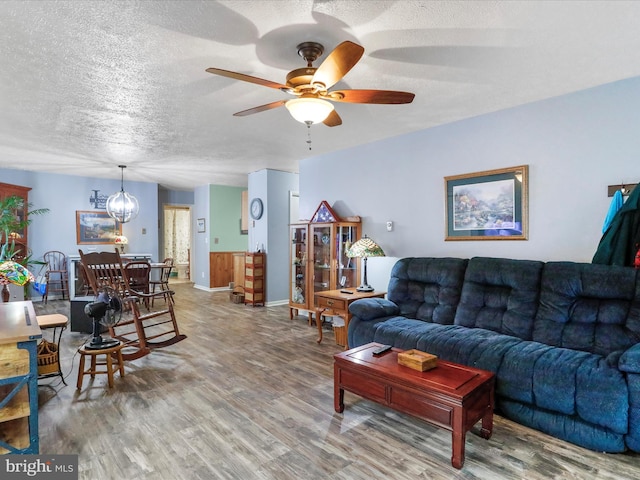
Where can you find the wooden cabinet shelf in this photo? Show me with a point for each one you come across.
(8, 190)
(17, 407)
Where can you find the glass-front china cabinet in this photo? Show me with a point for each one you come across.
(318, 258)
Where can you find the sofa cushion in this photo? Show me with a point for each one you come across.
(565, 381)
(370, 308)
(402, 332)
(473, 347)
(583, 306)
(500, 294)
(427, 289)
(566, 427)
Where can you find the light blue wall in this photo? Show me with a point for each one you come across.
(575, 145)
(64, 194)
(272, 230)
(200, 243)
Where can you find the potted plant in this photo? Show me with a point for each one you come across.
(13, 257)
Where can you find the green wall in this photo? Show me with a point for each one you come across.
(224, 219)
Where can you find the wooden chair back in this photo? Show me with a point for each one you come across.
(56, 261)
(137, 276)
(104, 269)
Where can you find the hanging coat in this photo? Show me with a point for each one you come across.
(616, 204)
(620, 242)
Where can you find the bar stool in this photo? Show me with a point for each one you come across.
(57, 275)
(111, 363)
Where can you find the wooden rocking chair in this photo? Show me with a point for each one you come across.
(106, 269)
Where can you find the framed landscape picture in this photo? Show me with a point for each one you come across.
(489, 205)
(96, 227)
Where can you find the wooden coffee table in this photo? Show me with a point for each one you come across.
(450, 396)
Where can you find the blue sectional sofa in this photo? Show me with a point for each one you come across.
(563, 338)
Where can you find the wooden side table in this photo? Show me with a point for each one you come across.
(51, 368)
(336, 303)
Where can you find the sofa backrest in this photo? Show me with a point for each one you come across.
(500, 294)
(589, 307)
(427, 289)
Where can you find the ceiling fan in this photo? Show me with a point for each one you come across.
(311, 86)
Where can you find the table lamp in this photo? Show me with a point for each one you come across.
(365, 248)
(12, 272)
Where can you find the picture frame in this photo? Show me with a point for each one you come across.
(96, 227)
(488, 205)
(201, 225)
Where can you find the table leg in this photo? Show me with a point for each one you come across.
(80, 372)
(319, 312)
(487, 424)
(458, 439)
(487, 420)
(338, 393)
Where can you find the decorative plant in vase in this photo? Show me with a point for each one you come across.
(14, 259)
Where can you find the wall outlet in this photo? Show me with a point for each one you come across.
(144, 231)
(389, 226)
(202, 274)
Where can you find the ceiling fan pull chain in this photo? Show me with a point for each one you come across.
(309, 134)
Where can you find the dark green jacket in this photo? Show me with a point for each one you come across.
(620, 242)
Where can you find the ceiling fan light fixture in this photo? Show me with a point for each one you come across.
(309, 110)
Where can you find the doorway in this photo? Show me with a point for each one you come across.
(177, 239)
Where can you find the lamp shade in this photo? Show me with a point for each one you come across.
(12, 272)
(365, 247)
(121, 205)
(309, 110)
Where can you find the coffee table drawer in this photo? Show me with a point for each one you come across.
(421, 406)
(332, 303)
(366, 387)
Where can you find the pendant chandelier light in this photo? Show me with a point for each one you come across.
(121, 205)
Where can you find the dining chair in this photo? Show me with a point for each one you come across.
(163, 281)
(137, 273)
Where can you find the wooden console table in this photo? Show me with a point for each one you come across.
(336, 303)
(450, 396)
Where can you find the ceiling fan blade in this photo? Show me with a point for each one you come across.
(371, 96)
(333, 120)
(261, 108)
(338, 63)
(246, 78)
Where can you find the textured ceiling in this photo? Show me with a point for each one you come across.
(88, 85)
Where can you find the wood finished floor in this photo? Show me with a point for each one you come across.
(249, 395)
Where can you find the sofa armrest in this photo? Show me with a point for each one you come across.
(630, 360)
(371, 308)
